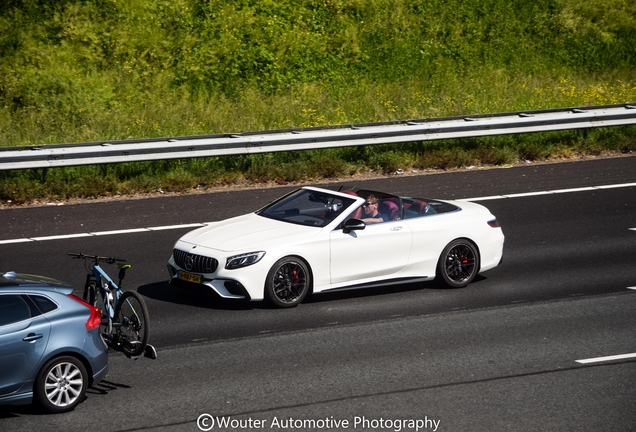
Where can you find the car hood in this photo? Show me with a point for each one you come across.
(249, 231)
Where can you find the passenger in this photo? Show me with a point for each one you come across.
(370, 213)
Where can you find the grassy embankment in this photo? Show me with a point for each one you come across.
(93, 70)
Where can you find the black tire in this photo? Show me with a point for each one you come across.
(90, 293)
(61, 384)
(95, 296)
(458, 264)
(288, 282)
(131, 325)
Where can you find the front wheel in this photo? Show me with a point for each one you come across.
(61, 384)
(130, 325)
(459, 263)
(287, 282)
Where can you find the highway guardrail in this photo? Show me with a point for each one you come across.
(62, 155)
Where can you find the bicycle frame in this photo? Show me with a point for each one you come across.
(110, 290)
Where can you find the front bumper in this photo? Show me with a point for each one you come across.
(224, 288)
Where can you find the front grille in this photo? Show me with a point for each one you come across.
(194, 263)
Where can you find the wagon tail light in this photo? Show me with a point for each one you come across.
(95, 318)
(494, 223)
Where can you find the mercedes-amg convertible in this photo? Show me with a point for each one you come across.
(315, 240)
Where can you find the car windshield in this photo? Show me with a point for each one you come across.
(307, 207)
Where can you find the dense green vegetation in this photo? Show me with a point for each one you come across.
(91, 70)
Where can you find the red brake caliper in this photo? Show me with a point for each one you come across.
(296, 280)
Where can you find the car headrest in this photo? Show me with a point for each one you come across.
(418, 206)
(389, 208)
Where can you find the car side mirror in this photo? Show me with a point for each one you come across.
(352, 225)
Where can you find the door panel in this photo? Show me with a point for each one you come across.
(379, 250)
(22, 345)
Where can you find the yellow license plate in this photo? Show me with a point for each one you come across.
(190, 277)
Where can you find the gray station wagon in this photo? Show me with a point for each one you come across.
(50, 347)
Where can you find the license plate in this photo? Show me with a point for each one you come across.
(190, 277)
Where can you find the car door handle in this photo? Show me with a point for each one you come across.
(32, 337)
(397, 228)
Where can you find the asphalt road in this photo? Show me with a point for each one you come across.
(498, 355)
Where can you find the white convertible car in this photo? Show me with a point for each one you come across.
(317, 240)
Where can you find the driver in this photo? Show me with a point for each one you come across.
(370, 213)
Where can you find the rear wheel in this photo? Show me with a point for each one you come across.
(95, 296)
(131, 325)
(90, 293)
(459, 263)
(61, 384)
(287, 282)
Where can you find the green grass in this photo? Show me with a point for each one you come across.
(93, 70)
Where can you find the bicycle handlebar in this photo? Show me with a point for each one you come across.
(97, 259)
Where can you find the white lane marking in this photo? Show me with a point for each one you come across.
(125, 231)
(632, 288)
(486, 198)
(632, 229)
(195, 225)
(58, 237)
(527, 194)
(549, 192)
(583, 189)
(169, 227)
(20, 240)
(99, 233)
(616, 186)
(608, 358)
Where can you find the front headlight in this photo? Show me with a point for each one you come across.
(244, 260)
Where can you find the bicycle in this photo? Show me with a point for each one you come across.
(125, 321)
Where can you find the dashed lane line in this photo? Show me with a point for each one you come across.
(101, 233)
(607, 358)
(549, 192)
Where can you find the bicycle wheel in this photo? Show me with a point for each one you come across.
(95, 296)
(90, 292)
(130, 326)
